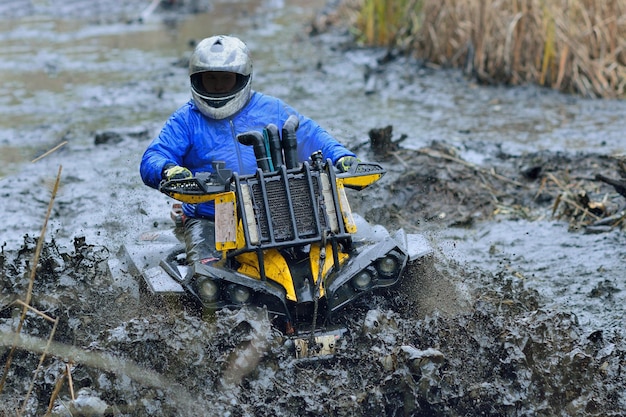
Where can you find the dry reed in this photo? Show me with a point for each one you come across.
(26, 303)
(576, 46)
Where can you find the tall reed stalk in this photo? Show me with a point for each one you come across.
(379, 21)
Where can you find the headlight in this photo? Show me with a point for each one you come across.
(362, 280)
(387, 266)
(207, 289)
(239, 294)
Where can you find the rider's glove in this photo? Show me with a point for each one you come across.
(345, 162)
(176, 172)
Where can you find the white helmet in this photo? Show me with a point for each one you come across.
(225, 54)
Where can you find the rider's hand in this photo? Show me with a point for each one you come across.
(345, 162)
(176, 172)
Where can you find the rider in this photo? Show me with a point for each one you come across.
(205, 129)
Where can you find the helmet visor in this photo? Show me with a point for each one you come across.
(216, 85)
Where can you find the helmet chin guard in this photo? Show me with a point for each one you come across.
(221, 54)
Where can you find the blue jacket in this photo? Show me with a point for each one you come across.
(191, 140)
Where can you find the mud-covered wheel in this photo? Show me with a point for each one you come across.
(427, 288)
(159, 301)
(413, 283)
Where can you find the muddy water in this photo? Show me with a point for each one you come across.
(67, 79)
(581, 273)
(68, 75)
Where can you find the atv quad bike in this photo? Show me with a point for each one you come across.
(289, 243)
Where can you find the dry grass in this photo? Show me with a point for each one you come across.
(26, 307)
(576, 46)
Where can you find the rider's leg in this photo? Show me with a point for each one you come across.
(200, 241)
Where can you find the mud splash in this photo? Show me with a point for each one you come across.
(501, 354)
(516, 317)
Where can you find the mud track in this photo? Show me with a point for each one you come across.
(461, 341)
(463, 338)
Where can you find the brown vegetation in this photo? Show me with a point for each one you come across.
(576, 46)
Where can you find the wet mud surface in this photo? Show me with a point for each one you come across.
(521, 312)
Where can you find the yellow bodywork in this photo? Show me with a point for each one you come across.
(277, 270)
(358, 182)
(196, 198)
(314, 259)
(346, 211)
(229, 233)
(226, 228)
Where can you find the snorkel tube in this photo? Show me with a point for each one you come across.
(255, 139)
(290, 142)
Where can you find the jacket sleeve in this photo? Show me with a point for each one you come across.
(312, 138)
(168, 148)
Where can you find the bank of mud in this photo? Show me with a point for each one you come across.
(479, 334)
(458, 340)
(496, 352)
